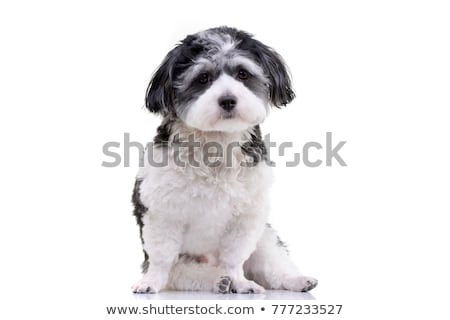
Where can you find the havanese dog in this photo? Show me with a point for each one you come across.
(201, 197)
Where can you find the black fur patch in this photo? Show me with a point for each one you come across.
(280, 243)
(139, 211)
(255, 148)
(145, 264)
(160, 91)
(164, 131)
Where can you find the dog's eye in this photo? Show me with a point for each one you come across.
(203, 78)
(243, 74)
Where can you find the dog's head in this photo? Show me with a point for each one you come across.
(220, 79)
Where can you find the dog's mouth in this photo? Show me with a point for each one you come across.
(227, 115)
(233, 117)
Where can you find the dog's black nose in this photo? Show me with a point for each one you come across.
(227, 102)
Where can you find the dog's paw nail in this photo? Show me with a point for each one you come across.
(145, 286)
(300, 284)
(143, 290)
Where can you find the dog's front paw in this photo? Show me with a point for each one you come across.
(302, 284)
(146, 285)
(223, 285)
(246, 286)
(226, 284)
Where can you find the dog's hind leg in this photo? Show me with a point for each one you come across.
(270, 266)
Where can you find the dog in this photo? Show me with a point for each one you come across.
(203, 224)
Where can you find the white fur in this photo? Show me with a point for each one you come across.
(206, 114)
(218, 213)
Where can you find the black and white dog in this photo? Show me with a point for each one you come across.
(203, 222)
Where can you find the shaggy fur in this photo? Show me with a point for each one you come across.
(203, 224)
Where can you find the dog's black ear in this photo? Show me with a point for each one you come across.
(160, 92)
(280, 84)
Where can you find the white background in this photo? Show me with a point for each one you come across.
(376, 74)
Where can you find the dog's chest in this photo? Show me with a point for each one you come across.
(204, 199)
(203, 203)
(209, 211)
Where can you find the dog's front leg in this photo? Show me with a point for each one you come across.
(161, 240)
(237, 245)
